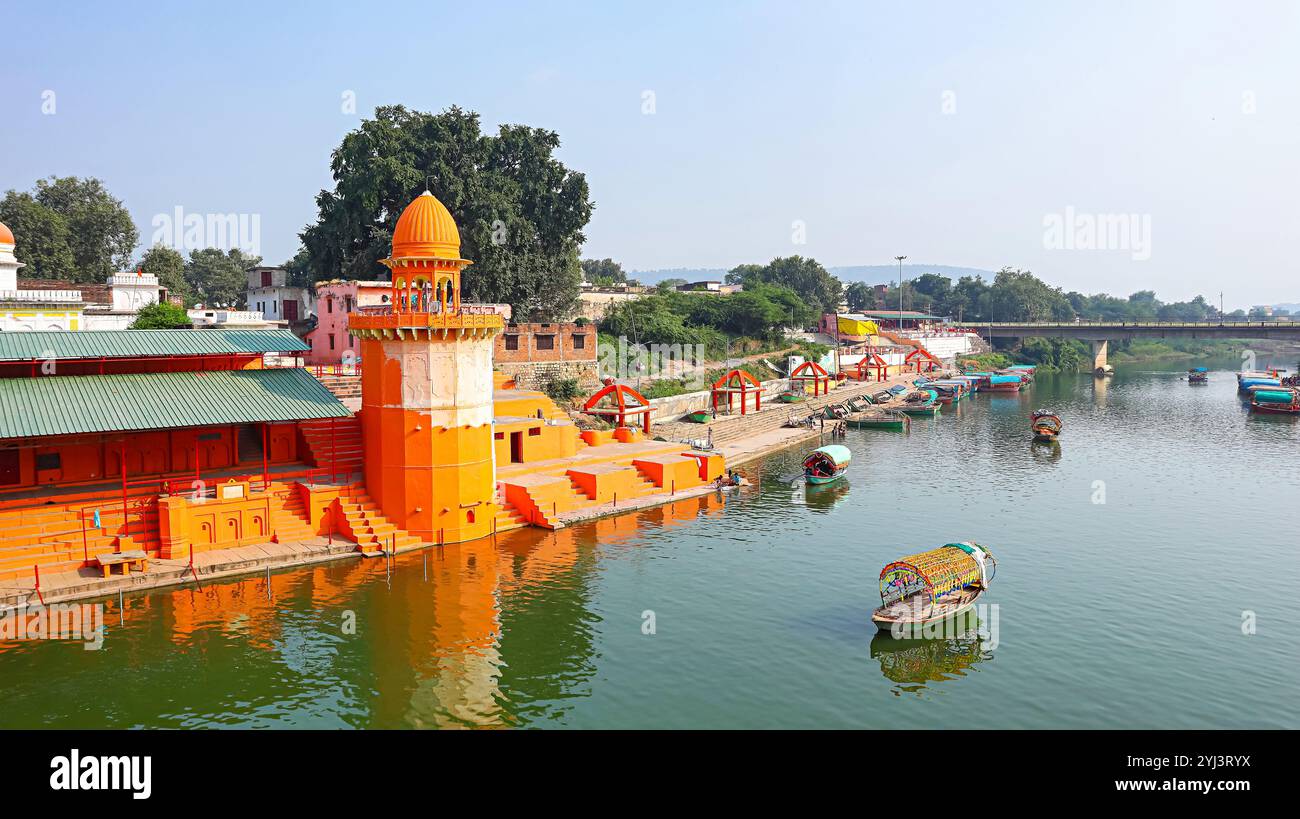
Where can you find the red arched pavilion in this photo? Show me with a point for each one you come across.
(623, 402)
(738, 382)
(924, 361)
(872, 361)
(814, 372)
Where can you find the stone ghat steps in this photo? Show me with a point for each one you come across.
(343, 386)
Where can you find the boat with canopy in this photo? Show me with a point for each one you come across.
(933, 586)
(826, 464)
(1280, 401)
(1002, 382)
(1198, 375)
(1045, 424)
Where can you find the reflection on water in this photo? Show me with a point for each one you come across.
(913, 664)
(760, 599)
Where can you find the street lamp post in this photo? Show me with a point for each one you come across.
(900, 290)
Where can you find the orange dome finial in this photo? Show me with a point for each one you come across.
(426, 230)
(6, 235)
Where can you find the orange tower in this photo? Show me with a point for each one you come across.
(426, 387)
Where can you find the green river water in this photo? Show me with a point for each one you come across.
(1130, 556)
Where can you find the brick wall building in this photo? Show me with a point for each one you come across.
(536, 354)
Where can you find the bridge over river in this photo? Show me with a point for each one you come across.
(1100, 333)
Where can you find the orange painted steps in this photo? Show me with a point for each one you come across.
(345, 444)
(363, 523)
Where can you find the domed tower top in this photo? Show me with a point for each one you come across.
(9, 264)
(426, 260)
(426, 231)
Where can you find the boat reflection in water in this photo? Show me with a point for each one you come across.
(1047, 451)
(824, 497)
(912, 664)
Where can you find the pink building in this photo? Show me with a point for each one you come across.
(330, 341)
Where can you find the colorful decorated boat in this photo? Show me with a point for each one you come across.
(1046, 425)
(880, 419)
(951, 390)
(1198, 375)
(973, 382)
(1278, 402)
(927, 588)
(826, 464)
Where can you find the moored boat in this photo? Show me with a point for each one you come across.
(1005, 383)
(880, 419)
(1281, 401)
(698, 417)
(927, 588)
(921, 402)
(1244, 384)
(1046, 425)
(1198, 375)
(789, 397)
(826, 464)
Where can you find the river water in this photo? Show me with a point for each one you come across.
(1147, 579)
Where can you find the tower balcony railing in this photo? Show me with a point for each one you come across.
(466, 317)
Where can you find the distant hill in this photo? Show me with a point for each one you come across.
(869, 273)
(1290, 308)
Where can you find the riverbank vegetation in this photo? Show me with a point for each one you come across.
(1073, 355)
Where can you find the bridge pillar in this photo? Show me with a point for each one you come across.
(1099, 365)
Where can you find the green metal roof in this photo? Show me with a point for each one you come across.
(40, 346)
(68, 404)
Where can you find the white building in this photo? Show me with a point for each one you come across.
(219, 318)
(128, 294)
(270, 294)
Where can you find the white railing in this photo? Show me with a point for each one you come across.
(58, 296)
(123, 279)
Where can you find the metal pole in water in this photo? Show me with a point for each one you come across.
(121, 614)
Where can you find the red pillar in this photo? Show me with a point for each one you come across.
(266, 472)
(122, 457)
(334, 449)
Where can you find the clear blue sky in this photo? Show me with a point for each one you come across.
(766, 113)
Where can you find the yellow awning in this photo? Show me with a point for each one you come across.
(857, 327)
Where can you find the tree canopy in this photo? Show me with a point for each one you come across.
(603, 272)
(819, 290)
(70, 228)
(169, 266)
(219, 278)
(162, 316)
(520, 211)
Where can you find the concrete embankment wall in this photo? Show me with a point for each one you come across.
(675, 406)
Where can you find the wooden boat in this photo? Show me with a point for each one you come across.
(880, 419)
(1198, 375)
(788, 397)
(922, 402)
(698, 417)
(1002, 382)
(930, 587)
(1046, 425)
(826, 464)
(1280, 401)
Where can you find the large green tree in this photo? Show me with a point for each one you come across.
(860, 296)
(819, 290)
(169, 266)
(520, 211)
(41, 237)
(101, 234)
(219, 278)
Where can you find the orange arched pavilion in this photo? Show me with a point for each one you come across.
(623, 403)
(814, 372)
(741, 383)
